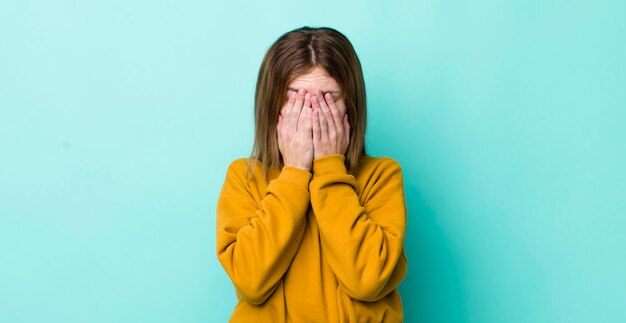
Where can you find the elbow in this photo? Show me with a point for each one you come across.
(252, 287)
(365, 290)
(253, 297)
(254, 293)
(377, 287)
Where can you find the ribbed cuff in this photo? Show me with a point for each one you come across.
(296, 175)
(328, 164)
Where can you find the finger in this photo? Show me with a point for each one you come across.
(307, 124)
(339, 131)
(315, 102)
(324, 106)
(278, 128)
(289, 105)
(323, 128)
(315, 119)
(304, 126)
(303, 115)
(346, 126)
(307, 100)
(295, 111)
(331, 129)
(316, 129)
(335, 112)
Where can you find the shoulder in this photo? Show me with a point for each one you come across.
(247, 169)
(380, 175)
(236, 174)
(240, 164)
(380, 164)
(237, 168)
(379, 170)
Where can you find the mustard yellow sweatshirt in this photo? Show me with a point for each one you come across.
(320, 246)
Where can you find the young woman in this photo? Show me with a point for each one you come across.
(310, 228)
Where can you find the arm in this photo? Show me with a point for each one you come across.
(364, 244)
(256, 243)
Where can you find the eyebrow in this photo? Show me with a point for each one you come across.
(296, 90)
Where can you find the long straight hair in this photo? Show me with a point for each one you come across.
(296, 53)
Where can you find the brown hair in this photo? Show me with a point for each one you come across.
(293, 54)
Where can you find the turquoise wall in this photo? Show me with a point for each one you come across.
(118, 120)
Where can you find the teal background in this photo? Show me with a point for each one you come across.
(118, 120)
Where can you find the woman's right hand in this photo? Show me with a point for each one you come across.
(295, 134)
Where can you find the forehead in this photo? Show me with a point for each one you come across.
(316, 79)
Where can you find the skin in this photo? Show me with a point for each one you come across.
(313, 122)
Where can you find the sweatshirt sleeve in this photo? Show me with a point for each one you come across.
(364, 244)
(256, 242)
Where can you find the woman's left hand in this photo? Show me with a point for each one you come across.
(331, 131)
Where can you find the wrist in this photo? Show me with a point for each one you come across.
(331, 163)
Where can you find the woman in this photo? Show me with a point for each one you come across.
(310, 228)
